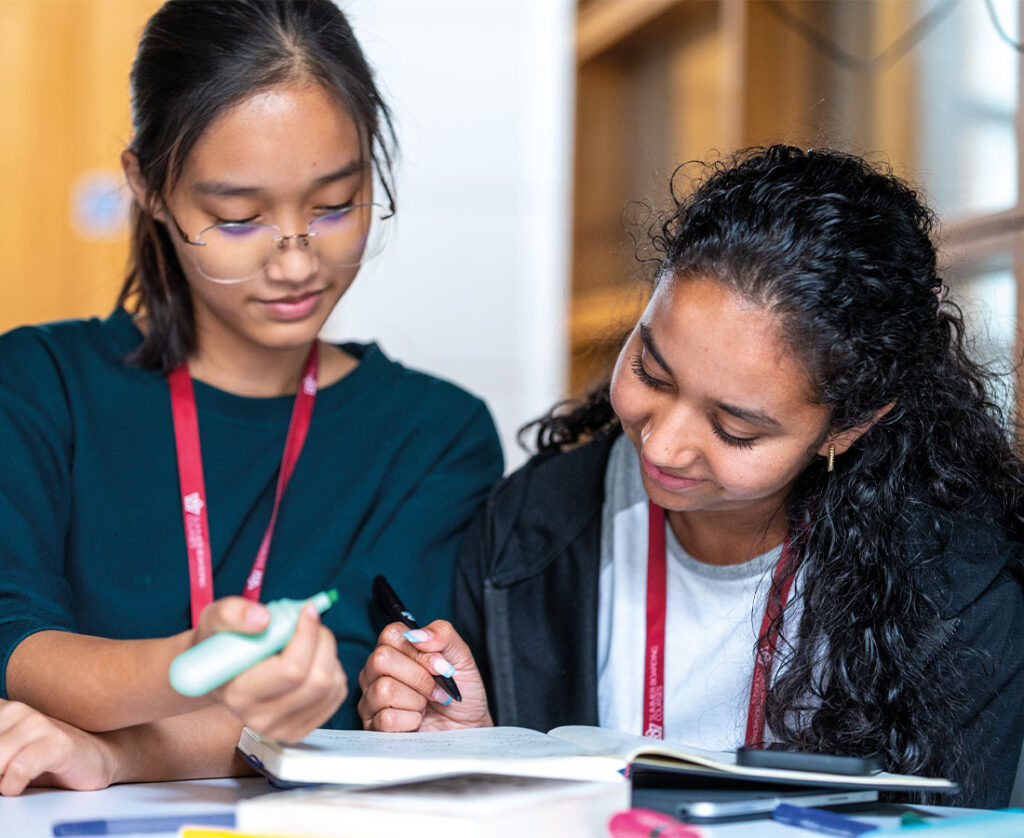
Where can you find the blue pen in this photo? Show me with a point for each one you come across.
(127, 826)
(821, 821)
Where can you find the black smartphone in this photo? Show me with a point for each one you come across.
(699, 806)
(806, 761)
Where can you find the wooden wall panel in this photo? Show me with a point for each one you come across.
(64, 69)
(786, 91)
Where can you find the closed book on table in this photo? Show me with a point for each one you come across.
(462, 806)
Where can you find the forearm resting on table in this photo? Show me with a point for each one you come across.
(190, 746)
(98, 684)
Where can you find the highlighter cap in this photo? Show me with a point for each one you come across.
(324, 600)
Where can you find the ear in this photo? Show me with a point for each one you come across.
(137, 184)
(844, 439)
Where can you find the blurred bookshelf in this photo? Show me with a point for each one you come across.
(928, 86)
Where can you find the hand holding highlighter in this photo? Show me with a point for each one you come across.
(222, 656)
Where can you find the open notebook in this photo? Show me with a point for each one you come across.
(363, 758)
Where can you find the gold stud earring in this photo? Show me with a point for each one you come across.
(831, 458)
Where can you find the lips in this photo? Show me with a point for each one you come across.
(667, 480)
(295, 306)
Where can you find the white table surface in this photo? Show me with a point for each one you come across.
(33, 814)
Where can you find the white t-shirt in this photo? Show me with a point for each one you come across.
(713, 619)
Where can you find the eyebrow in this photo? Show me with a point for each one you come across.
(648, 341)
(747, 414)
(754, 417)
(225, 189)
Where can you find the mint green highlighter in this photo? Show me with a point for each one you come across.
(226, 654)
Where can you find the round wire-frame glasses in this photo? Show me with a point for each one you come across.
(238, 251)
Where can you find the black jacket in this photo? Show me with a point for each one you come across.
(526, 601)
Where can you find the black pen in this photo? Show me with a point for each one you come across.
(388, 602)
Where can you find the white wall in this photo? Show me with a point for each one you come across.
(474, 284)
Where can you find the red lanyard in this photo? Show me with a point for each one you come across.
(654, 662)
(193, 487)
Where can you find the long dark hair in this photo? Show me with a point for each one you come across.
(195, 60)
(842, 252)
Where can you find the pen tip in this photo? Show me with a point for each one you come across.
(332, 595)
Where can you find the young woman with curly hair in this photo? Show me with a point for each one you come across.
(795, 416)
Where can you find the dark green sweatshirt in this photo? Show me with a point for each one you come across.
(91, 536)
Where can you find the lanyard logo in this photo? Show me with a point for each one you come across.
(193, 503)
(255, 579)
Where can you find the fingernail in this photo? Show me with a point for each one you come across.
(417, 635)
(257, 616)
(440, 696)
(442, 667)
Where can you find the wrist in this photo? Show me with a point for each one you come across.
(187, 746)
(113, 759)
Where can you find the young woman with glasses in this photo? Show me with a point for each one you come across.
(200, 451)
(793, 518)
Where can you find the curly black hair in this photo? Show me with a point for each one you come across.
(842, 252)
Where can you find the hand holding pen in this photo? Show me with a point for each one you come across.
(388, 601)
(408, 682)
